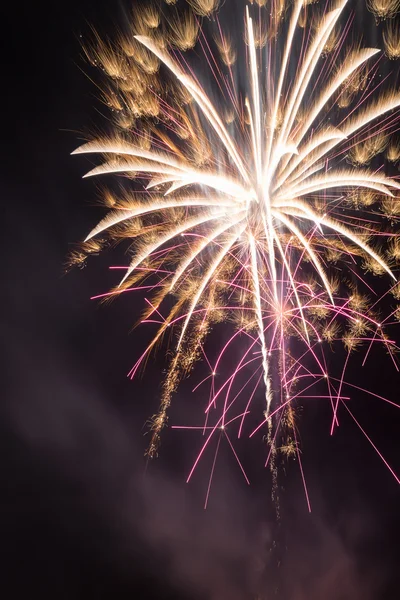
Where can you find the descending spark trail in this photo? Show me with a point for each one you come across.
(248, 214)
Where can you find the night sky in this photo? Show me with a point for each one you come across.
(81, 516)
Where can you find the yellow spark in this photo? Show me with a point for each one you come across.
(259, 35)
(332, 42)
(183, 31)
(383, 9)
(204, 8)
(393, 151)
(391, 39)
(332, 332)
(350, 342)
(393, 250)
(150, 16)
(391, 208)
(226, 49)
(396, 291)
(359, 302)
(104, 55)
(363, 152)
(147, 61)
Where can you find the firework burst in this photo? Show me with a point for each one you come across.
(253, 211)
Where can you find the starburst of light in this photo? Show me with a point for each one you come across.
(250, 202)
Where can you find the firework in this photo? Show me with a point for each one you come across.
(248, 212)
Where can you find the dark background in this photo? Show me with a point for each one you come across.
(81, 517)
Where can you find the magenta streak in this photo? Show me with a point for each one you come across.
(311, 348)
(339, 392)
(248, 404)
(234, 279)
(233, 89)
(201, 382)
(155, 309)
(212, 473)
(329, 386)
(203, 448)
(198, 427)
(282, 406)
(232, 379)
(389, 349)
(301, 397)
(237, 458)
(273, 335)
(206, 358)
(135, 289)
(209, 437)
(238, 368)
(217, 79)
(152, 321)
(372, 443)
(137, 364)
(369, 348)
(238, 394)
(242, 330)
(200, 310)
(384, 295)
(302, 471)
(368, 392)
(116, 268)
(228, 380)
(364, 282)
